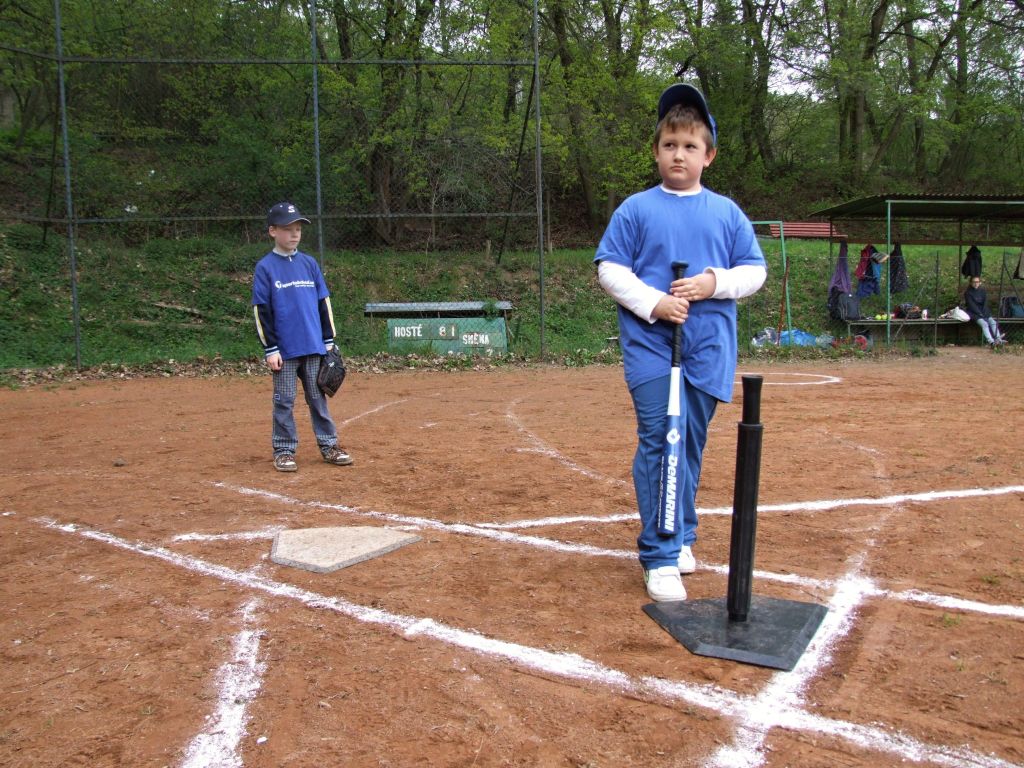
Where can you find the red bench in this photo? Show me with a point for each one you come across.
(806, 230)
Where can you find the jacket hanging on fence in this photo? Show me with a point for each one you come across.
(865, 261)
(898, 280)
(972, 263)
(841, 275)
(868, 271)
(839, 285)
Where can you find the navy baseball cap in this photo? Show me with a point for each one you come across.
(283, 214)
(687, 95)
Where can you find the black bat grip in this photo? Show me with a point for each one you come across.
(679, 272)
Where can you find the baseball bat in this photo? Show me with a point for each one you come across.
(672, 452)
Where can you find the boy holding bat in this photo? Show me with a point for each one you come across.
(677, 221)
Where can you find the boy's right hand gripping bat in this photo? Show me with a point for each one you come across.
(674, 449)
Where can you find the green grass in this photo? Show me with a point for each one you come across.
(188, 299)
(950, 620)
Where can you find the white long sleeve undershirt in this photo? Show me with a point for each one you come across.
(639, 298)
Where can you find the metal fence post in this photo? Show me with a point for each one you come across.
(68, 200)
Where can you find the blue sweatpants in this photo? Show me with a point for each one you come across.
(696, 409)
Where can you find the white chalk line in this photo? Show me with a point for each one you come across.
(806, 582)
(239, 681)
(822, 379)
(750, 753)
(424, 522)
(563, 665)
(540, 447)
(463, 529)
(263, 533)
(543, 522)
(381, 407)
(882, 501)
(131, 478)
(955, 603)
(901, 744)
(795, 506)
(787, 691)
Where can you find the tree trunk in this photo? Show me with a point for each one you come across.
(559, 23)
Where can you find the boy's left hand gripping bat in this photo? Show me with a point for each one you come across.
(673, 451)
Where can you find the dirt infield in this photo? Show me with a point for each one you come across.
(143, 623)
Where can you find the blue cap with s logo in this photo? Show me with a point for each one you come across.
(283, 214)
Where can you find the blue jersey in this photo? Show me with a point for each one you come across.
(649, 231)
(292, 287)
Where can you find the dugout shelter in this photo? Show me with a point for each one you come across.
(948, 220)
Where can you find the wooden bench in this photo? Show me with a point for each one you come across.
(445, 327)
(807, 230)
(931, 329)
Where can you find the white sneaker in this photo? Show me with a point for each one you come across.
(687, 562)
(664, 584)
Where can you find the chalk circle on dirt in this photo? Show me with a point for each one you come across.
(779, 379)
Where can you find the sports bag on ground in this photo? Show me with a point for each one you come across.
(332, 372)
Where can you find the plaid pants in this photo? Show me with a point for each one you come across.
(285, 437)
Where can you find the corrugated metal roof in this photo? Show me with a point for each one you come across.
(964, 208)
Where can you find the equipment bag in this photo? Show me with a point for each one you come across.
(1010, 306)
(908, 311)
(847, 308)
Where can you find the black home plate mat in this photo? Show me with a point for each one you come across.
(775, 634)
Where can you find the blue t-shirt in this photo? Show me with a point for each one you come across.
(293, 287)
(649, 231)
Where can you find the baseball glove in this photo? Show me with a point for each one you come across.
(332, 372)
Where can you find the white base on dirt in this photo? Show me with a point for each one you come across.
(323, 550)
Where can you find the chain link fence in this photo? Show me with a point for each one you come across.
(427, 152)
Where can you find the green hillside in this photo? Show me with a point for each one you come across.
(188, 299)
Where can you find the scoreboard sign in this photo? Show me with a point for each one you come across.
(448, 335)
